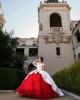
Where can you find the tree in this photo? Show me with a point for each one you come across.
(8, 57)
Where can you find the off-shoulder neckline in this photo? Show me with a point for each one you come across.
(41, 63)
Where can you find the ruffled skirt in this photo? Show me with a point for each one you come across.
(40, 85)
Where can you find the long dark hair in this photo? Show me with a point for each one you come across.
(41, 58)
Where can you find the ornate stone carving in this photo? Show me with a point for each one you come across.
(71, 26)
(57, 38)
(67, 39)
(40, 27)
(46, 39)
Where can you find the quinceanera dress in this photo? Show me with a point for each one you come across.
(39, 84)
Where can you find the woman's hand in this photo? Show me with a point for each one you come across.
(35, 62)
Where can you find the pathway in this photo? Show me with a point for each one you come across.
(14, 96)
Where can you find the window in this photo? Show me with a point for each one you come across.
(34, 44)
(23, 43)
(20, 51)
(55, 20)
(78, 36)
(33, 52)
(79, 56)
(58, 51)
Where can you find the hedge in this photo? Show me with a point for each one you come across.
(69, 78)
(10, 79)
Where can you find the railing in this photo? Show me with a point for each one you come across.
(56, 29)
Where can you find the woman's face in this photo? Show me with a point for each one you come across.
(39, 59)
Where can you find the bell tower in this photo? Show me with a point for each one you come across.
(54, 38)
(2, 20)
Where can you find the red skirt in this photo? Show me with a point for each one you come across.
(35, 86)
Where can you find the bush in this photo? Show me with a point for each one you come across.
(69, 78)
(10, 79)
(9, 57)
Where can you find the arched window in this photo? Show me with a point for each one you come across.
(79, 56)
(55, 20)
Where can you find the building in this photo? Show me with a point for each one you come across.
(76, 41)
(2, 20)
(28, 47)
(58, 39)
(55, 38)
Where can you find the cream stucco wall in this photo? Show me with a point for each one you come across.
(53, 62)
(62, 9)
(27, 41)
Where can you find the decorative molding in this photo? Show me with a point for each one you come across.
(57, 38)
(56, 29)
(40, 27)
(54, 5)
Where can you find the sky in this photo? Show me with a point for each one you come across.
(22, 16)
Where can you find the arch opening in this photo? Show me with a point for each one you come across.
(78, 56)
(55, 20)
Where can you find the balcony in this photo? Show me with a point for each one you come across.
(56, 29)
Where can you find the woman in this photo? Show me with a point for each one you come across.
(39, 84)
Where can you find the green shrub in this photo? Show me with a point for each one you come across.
(69, 78)
(10, 79)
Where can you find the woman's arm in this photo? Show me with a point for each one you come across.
(35, 62)
(43, 67)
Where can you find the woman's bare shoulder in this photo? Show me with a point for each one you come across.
(43, 64)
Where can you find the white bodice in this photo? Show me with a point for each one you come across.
(39, 66)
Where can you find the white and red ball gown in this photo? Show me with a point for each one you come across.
(39, 84)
